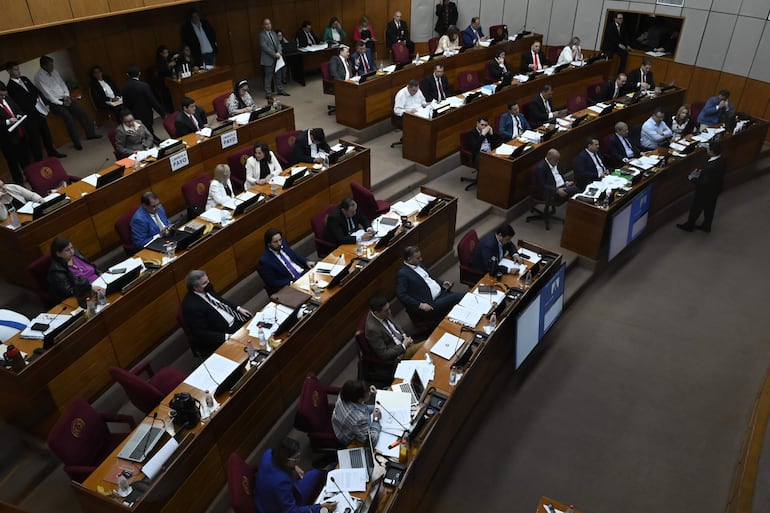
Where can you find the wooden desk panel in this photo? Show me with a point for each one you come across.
(426, 141)
(202, 87)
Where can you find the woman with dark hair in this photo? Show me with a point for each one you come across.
(70, 273)
(186, 62)
(449, 41)
(334, 32)
(104, 91)
(261, 166)
(166, 64)
(131, 135)
(240, 100)
(282, 486)
(497, 67)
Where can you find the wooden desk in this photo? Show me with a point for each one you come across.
(245, 417)
(300, 63)
(426, 141)
(90, 218)
(360, 106)
(78, 365)
(559, 506)
(586, 227)
(504, 182)
(202, 87)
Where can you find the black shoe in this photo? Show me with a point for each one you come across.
(95, 136)
(686, 227)
(702, 228)
(56, 154)
(79, 147)
(283, 93)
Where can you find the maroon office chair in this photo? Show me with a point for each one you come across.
(399, 53)
(465, 248)
(111, 134)
(314, 414)
(432, 45)
(576, 101)
(237, 162)
(498, 31)
(370, 207)
(38, 270)
(328, 86)
(285, 145)
(169, 124)
(594, 91)
(47, 174)
(146, 394)
(371, 368)
(195, 347)
(82, 440)
(695, 110)
(318, 222)
(240, 484)
(553, 53)
(196, 192)
(467, 80)
(220, 106)
(123, 229)
(466, 159)
(270, 290)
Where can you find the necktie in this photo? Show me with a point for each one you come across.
(599, 165)
(195, 122)
(228, 190)
(629, 150)
(366, 64)
(393, 331)
(288, 264)
(347, 70)
(310, 38)
(272, 40)
(441, 94)
(615, 94)
(11, 114)
(222, 306)
(22, 84)
(351, 225)
(643, 78)
(517, 124)
(475, 36)
(157, 220)
(536, 60)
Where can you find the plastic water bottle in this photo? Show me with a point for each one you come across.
(528, 279)
(209, 399)
(101, 298)
(262, 338)
(453, 376)
(123, 488)
(251, 350)
(276, 104)
(493, 321)
(14, 216)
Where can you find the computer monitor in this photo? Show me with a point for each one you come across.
(295, 178)
(255, 115)
(171, 149)
(336, 280)
(220, 129)
(61, 331)
(517, 152)
(49, 206)
(110, 176)
(386, 239)
(249, 204)
(367, 76)
(183, 239)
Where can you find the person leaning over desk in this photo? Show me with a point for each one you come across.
(386, 338)
(344, 222)
(408, 99)
(240, 100)
(716, 110)
(310, 146)
(70, 273)
(261, 166)
(14, 197)
(149, 220)
(655, 132)
(449, 41)
(352, 413)
(498, 244)
(280, 265)
(131, 135)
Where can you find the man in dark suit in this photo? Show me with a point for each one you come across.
(386, 338)
(540, 110)
(13, 143)
(589, 166)
(512, 124)
(397, 30)
(436, 86)
(473, 35)
(310, 146)
(482, 138)
(210, 317)
(362, 63)
(340, 66)
(620, 149)
(343, 223)
(498, 244)
(446, 15)
(616, 40)
(305, 36)
(550, 183)
(280, 265)
(497, 68)
(640, 79)
(421, 293)
(708, 182)
(149, 220)
(190, 119)
(614, 88)
(26, 95)
(534, 59)
(139, 98)
(201, 37)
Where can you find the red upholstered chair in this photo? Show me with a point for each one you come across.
(194, 346)
(196, 192)
(399, 53)
(695, 110)
(369, 206)
(237, 162)
(111, 134)
(81, 438)
(553, 54)
(47, 174)
(432, 45)
(240, 484)
(318, 222)
(465, 248)
(168, 124)
(285, 145)
(498, 31)
(594, 92)
(123, 229)
(468, 80)
(38, 270)
(314, 414)
(576, 101)
(270, 290)
(220, 106)
(146, 394)
(371, 368)
(466, 159)
(328, 85)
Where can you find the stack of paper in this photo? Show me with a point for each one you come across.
(347, 480)
(212, 215)
(521, 78)
(532, 257)
(481, 303)
(455, 101)
(211, 372)
(504, 149)
(327, 268)
(531, 136)
(396, 411)
(128, 264)
(29, 207)
(241, 119)
(646, 162)
(488, 89)
(272, 314)
(464, 316)
(52, 320)
(513, 267)
(91, 179)
(598, 108)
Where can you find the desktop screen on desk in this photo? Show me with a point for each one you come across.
(629, 223)
(538, 317)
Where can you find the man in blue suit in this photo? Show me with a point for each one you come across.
(420, 292)
(280, 265)
(473, 33)
(149, 220)
(588, 164)
(512, 124)
(498, 244)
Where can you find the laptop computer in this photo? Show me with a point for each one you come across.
(340, 275)
(110, 176)
(55, 335)
(141, 442)
(518, 151)
(255, 115)
(229, 382)
(224, 127)
(171, 149)
(578, 120)
(183, 239)
(415, 387)
(386, 239)
(469, 98)
(360, 457)
(124, 279)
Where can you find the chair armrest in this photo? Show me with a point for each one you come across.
(72, 179)
(143, 367)
(119, 418)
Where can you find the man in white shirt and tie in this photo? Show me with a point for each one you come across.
(589, 166)
(190, 119)
(340, 67)
(149, 220)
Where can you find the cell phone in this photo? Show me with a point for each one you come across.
(265, 324)
(117, 270)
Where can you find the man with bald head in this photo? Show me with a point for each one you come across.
(550, 183)
(397, 30)
(620, 148)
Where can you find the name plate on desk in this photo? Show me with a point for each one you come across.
(179, 160)
(229, 139)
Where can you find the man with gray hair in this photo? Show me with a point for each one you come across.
(210, 318)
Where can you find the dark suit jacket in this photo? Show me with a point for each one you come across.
(475, 140)
(429, 89)
(274, 272)
(505, 130)
(411, 290)
(526, 60)
(612, 38)
(301, 151)
(184, 124)
(207, 325)
(380, 339)
(144, 227)
(468, 37)
(445, 15)
(6, 137)
(62, 283)
(336, 230)
(26, 100)
(495, 71)
(585, 169)
(358, 63)
(97, 93)
(545, 184)
(608, 91)
(140, 100)
(486, 249)
(537, 113)
(712, 176)
(303, 40)
(337, 69)
(616, 152)
(190, 39)
(393, 34)
(635, 77)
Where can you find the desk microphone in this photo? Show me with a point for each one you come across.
(149, 435)
(392, 416)
(48, 326)
(331, 478)
(102, 163)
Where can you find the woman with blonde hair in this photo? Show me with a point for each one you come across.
(220, 188)
(682, 123)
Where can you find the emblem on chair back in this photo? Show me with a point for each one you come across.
(244, 158)
(499, 31)
(469, 77)
(200, 189)
(246, 484)
(316, 402)
(292, 139)
(472, 246)
(77, 427)
(46, 172)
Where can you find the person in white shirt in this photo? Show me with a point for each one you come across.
(220, 188)
(14, 197)
(409, 99)
(261, 166)
(655, 132)
(571, 52)
(56, 92)
(550, 183)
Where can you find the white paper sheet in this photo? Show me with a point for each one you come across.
(155, 464)
(273, 314)
(53, 321)
(347, 480)
(91, 179)
(212, 215)
(128, 264)
(211, 373)
(406, 368)
(396, 411)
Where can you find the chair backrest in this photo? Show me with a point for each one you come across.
(168, 124)
(140, 392)
(695, 109)
(594, 91)
(80, 435)
(498, 31)
(553, 53)
(111, 134)
(400, 52)
(365, 199)
(432, 45)
(326, 79)
(395, 121)
(576, 101)
(196, 192)
(313, 412)
(237, 162)
(123, 229)
(635, 135)
(38, 270)
(467, 80)
(45, 175)
(318, 223)
(285, 143)
(465, 248)
(466, 155)
(191, 340)
(363, 343)
(220, 106)
(240, 484)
